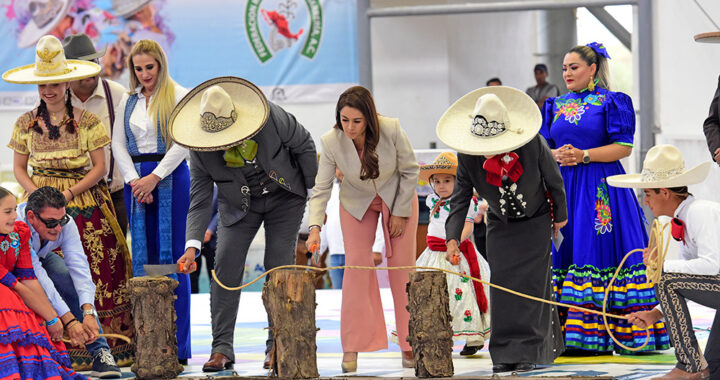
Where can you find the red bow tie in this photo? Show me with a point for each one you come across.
(677, 229)
(500, 165)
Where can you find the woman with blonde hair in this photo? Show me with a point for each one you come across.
(157, 179)
(64, 147)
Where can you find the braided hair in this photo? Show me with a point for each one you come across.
(45, 115)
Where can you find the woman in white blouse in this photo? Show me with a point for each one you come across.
(157, 179)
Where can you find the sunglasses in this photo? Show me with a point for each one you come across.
(52, 223)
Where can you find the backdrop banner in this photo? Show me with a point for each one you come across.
(296, 51)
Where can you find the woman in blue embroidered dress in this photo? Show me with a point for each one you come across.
(156, 175)
(589, 130)
(31, 344)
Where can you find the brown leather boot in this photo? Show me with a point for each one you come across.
(217, 362)
(678, 374)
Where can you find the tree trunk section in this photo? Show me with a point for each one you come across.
(430, 332)
(153, 312)
(289, 298)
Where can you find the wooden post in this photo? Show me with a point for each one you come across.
(153, 311)
(289, 298)
(430, 332)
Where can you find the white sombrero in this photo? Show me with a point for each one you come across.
(218, 114)
(664, 167)
(126, 8)
(51, 66)
(710, 37)
(490, 120)
(45, 15)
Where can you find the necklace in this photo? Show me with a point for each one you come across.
(56, 117)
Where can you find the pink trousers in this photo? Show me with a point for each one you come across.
(362, 323)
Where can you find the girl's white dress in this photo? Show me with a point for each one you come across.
(469, 324)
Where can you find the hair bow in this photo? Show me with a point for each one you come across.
(599, 48)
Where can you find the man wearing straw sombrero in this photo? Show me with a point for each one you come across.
(502, 156)
(262, 162)
(696, 274)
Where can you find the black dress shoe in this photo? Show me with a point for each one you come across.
(524, 367)
(503, 367)
(183, 361)
(217, 362)
(472, 350)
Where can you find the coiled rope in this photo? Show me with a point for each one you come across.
(654, 271)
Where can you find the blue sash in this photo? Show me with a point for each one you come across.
(137, 210)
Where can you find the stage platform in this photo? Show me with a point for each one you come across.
(250, 345)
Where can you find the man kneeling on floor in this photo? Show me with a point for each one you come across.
(696, 274)
(66, 280)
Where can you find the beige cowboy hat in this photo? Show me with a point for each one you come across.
(664, 167)
(45, 15)
(218, 114)
(51, 66)
(490, 120)
(444, 163)
(710, 37)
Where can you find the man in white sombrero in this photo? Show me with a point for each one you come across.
(696, 274)
(263, 162)
(502, 156)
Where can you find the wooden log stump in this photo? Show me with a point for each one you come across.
(430, 332)
(153, 312)
(289, 298)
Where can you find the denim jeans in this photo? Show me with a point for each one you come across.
(60, 275)
(336, 275)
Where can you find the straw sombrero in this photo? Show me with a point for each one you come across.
(490, 120)
(218, 114)
(445, 163)
(51, 66)
(710, 37)
(45, 15)
(664, 167)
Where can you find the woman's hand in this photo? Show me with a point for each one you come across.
(313, 243)
(55, 331)
(68, 195)
(396, 225)
(142, 188)
(568, 155)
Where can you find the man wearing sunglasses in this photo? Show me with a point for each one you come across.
(695, 275)
(66, 280)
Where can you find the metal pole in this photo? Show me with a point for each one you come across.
(612, 25)
(364, 46)
(646, 78)
(510, 6)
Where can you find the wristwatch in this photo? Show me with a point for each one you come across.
(90, 312)
(586, 157)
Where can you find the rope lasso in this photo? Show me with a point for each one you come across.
(116, 336)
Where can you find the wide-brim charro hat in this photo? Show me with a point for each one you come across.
(126, 8)
(490, 120)
(51, 66)
(710, 37)
(444, 163)
(218, 114)
(80, 46)
(664, 167)
(44, 18)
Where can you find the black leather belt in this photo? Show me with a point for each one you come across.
(148, 158)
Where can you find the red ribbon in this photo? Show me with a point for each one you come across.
(468, 250)
(506, 164)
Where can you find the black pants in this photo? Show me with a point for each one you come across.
(673, 291)
(118, 199)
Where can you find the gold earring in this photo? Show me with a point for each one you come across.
(591, 85)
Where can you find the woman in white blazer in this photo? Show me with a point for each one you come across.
(381, 175)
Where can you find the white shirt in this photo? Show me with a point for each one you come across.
(331, 236)
(701, 252)
(436, 224)
(97, 104)
(144, 128)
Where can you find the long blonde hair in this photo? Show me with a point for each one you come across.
(163, 101)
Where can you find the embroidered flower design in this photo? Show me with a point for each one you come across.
(464, 278)
(603, 215)
(468, 316)
(595, 99)
(458, 294)
(14, 239)
(572, 109)
(4, 246)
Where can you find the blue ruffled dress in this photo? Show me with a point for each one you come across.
(604, 223)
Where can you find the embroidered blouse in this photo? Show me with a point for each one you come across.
(70, 151)
(436, 226)
(15, 260)
(144, 128)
